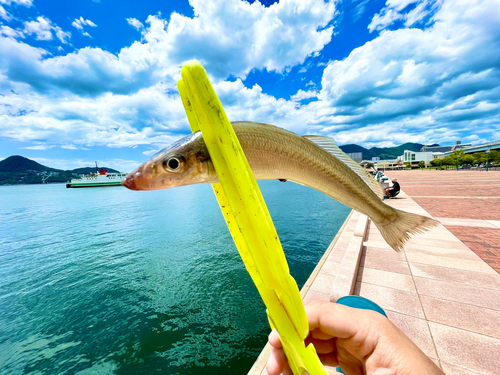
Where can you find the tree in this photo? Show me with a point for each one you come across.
(408, 165)
(436, 162)
(449, 160)
(457, 154)
(467, 160)
(479, 158)
(421, 164)
(494, 156)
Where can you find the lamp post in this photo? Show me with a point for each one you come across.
(458, 157)
(487, 153)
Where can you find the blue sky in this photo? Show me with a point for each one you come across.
(96, 79)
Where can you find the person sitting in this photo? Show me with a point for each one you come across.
(392, 191)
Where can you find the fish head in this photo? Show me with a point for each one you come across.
(186, 162)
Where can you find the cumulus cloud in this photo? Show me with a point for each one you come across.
(445, 75)
(264, 38)
(87, 72)
(147, 117)
(79, 24)
(229, 37)
(430, 84)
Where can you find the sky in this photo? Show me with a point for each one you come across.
(95, 80)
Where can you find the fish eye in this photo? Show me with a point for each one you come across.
(174, 163)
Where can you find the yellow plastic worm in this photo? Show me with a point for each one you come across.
(248, 219)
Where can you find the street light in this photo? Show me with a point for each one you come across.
(487, 153)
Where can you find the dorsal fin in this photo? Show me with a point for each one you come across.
(329, 145)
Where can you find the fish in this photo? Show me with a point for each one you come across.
(276, 153)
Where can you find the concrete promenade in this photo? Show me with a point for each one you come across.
(467, 203)
(441, 293)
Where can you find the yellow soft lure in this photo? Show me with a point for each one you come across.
(248, 219)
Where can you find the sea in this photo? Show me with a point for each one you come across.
(112, 281)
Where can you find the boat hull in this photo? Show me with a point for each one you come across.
(96, 184)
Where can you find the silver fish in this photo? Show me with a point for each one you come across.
(275, 153)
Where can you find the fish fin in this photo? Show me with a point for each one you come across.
(329, 145)
(397, 232)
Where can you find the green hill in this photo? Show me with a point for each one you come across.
(18, 163)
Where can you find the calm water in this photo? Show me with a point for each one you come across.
(112, 281)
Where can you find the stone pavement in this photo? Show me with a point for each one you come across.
(450, 196)
(438, 291)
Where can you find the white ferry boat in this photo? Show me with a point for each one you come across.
(103, 178)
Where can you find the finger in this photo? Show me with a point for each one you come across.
(274, 339)
(335, 320)
(322, 346)
(319, 334)
(277, 363)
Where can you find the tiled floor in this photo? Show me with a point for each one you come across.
(467, 203)
(442, 290)
(439, 292)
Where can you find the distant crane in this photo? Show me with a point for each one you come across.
(44, 178)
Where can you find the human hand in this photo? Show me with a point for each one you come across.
(359, 341)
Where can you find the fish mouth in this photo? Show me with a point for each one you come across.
(130, 181)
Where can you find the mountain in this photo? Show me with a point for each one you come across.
(17, 170)
(382, 152)
(18, 163)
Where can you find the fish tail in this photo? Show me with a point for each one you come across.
(397, 232)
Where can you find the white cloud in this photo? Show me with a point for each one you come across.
(395, 10)
(423, 85)
(4, 14)
(359, 9)
(146, 117)
(229, 37)
(135, 23)
(10, 32)
(42, 29)
(301, 95)
(233, 37)
(445, 76)
(26, 3)
(79, 24)
(39, 147)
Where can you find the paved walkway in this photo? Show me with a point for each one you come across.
(450, 196)
(438, 291)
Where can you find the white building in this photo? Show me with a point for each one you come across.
(414, 157)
